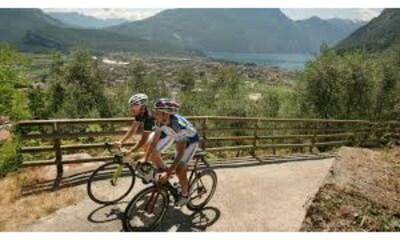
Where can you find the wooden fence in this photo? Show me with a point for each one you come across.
(217, 134)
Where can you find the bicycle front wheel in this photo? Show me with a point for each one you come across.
(111, 182)
(201, 189)
(146, 210)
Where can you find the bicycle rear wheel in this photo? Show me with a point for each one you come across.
(111, 182)
(146, 210)
(201, 189)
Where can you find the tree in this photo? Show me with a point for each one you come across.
(388, 99)
(37, 104)
(78, 87)
(357, 80)
(136, 82)
(186, 78)
(318, 86)
(338, 86)
(12, 100)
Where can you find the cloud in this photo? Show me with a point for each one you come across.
(367, 14)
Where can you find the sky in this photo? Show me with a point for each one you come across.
(364, 14)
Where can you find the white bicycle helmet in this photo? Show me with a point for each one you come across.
(138, 99)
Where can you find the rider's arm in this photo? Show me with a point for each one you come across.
(153, 144)
(142, 141)
(130, 132)
(180, 148)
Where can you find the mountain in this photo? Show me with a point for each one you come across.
(32, 30)
(75, 19)
(329, 31)
(380, 34)
(178, 31)
(14, 23)
(237, 30)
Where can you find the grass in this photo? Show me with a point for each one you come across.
(17, 210)
(362, 193)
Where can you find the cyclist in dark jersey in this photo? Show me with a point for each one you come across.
(185, 137)
(144, 121)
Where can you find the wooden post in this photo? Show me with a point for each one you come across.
(204, 133)
(314, 138)
(253, 152)
(273, 143)
(58, 155)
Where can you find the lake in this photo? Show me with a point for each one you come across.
(287, 61)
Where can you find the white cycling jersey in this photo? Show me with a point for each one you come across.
(180, 129)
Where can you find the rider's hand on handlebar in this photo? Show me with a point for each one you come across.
(164, 177)
(118, 144)
(125, 151)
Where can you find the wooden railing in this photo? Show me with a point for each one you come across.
(217, 134)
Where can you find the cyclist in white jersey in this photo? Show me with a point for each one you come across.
(186, 139)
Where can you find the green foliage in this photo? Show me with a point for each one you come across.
(136, 81)
(37, 104)
(18, 109)
(388, 99)
(12, 99)
(77, 87)
(9, 159)
(338, 86)
(186, 78)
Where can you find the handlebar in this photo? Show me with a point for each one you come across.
(118, 155)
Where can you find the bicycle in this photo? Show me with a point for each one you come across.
(140, 214)
(103, 186)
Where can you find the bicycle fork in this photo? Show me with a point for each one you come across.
(152, 201)
(116, 175)
(201, 190)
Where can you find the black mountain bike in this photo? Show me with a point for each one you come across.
(112, 181)
(148, 208)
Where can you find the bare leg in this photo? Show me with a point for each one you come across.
(156, 159)
(181, 173)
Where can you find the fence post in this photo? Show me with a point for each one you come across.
(58, 155)
(314, 138)
(255, 139)
(204, 133)
(273, 143)
(370, 133)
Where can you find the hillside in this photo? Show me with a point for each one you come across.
(14, 23)
(75, 19)
(380, 34)
(328, 31)
(237, 30)
(32, 30)
(177, 32)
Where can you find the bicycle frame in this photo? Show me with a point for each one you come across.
(171, 189)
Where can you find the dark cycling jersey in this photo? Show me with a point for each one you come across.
(146, 120)
(181, 130)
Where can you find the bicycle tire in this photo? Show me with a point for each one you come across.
(102, 174)
(195, 186)
(130, 209)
